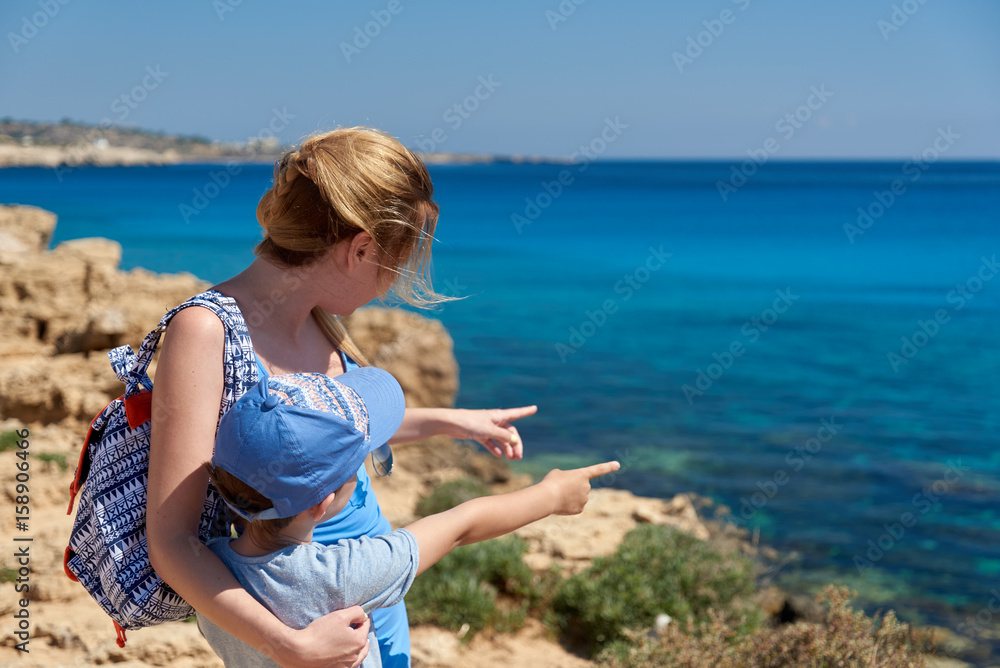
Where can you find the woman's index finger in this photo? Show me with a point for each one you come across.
(517, 413)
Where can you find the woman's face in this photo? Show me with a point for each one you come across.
(353, 271)
(376, 276)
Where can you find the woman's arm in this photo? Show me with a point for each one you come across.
(559, 493)
(492, 428)
(186, 399)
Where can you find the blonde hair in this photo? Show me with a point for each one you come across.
(338, 184)
(265, 534)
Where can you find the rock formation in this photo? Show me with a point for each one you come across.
(62, 309)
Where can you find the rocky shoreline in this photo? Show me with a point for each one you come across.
(86, 154)
(62, 309)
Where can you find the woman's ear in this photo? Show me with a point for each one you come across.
(317, 511)
(361, 246)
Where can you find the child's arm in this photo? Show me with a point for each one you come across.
(559, 493)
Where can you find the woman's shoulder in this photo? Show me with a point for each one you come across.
(198, 323)
(196, 334)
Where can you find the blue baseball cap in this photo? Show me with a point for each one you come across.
(296, 438)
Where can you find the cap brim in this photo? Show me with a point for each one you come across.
(383, 398)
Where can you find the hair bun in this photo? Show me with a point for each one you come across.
(287, 175)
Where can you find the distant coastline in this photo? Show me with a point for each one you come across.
(68, 144)
(13, 155)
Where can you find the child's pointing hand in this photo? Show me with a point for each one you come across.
(573, 487)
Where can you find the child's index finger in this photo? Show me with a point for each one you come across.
(598, 470)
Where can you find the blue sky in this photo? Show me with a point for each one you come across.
(892, 73)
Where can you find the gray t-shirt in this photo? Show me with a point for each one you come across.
(303, 582)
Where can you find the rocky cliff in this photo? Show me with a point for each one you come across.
(62, 309)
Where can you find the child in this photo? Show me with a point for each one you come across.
(286, 459)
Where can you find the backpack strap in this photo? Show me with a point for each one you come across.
(131, 368)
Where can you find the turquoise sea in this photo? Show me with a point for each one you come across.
(837, 387)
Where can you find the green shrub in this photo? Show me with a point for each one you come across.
(8, 440)
(844, 638)
(56, 458)
(482, 585)
(656, 570)
(450, 494)
(8, 574)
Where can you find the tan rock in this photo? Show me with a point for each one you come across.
(94, 252)
(679, 513)
(50, 389)
(947, 641)
(432, 647)
(417, 351)
(573, 542)
(25, 230)
(945, 662)
(530, 646)
(57, 307)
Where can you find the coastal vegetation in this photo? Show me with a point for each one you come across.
(67, 132)
(844, 637)
(450, 494)
(664, 598)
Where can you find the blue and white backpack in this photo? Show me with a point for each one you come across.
(107, 550)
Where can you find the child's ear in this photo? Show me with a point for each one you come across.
(320, 508)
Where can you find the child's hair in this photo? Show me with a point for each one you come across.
(265, 534)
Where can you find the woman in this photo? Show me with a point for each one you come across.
(350, 216)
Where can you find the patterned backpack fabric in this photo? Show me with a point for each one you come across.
(107, 550)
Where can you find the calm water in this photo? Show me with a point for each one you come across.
(805, 411)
